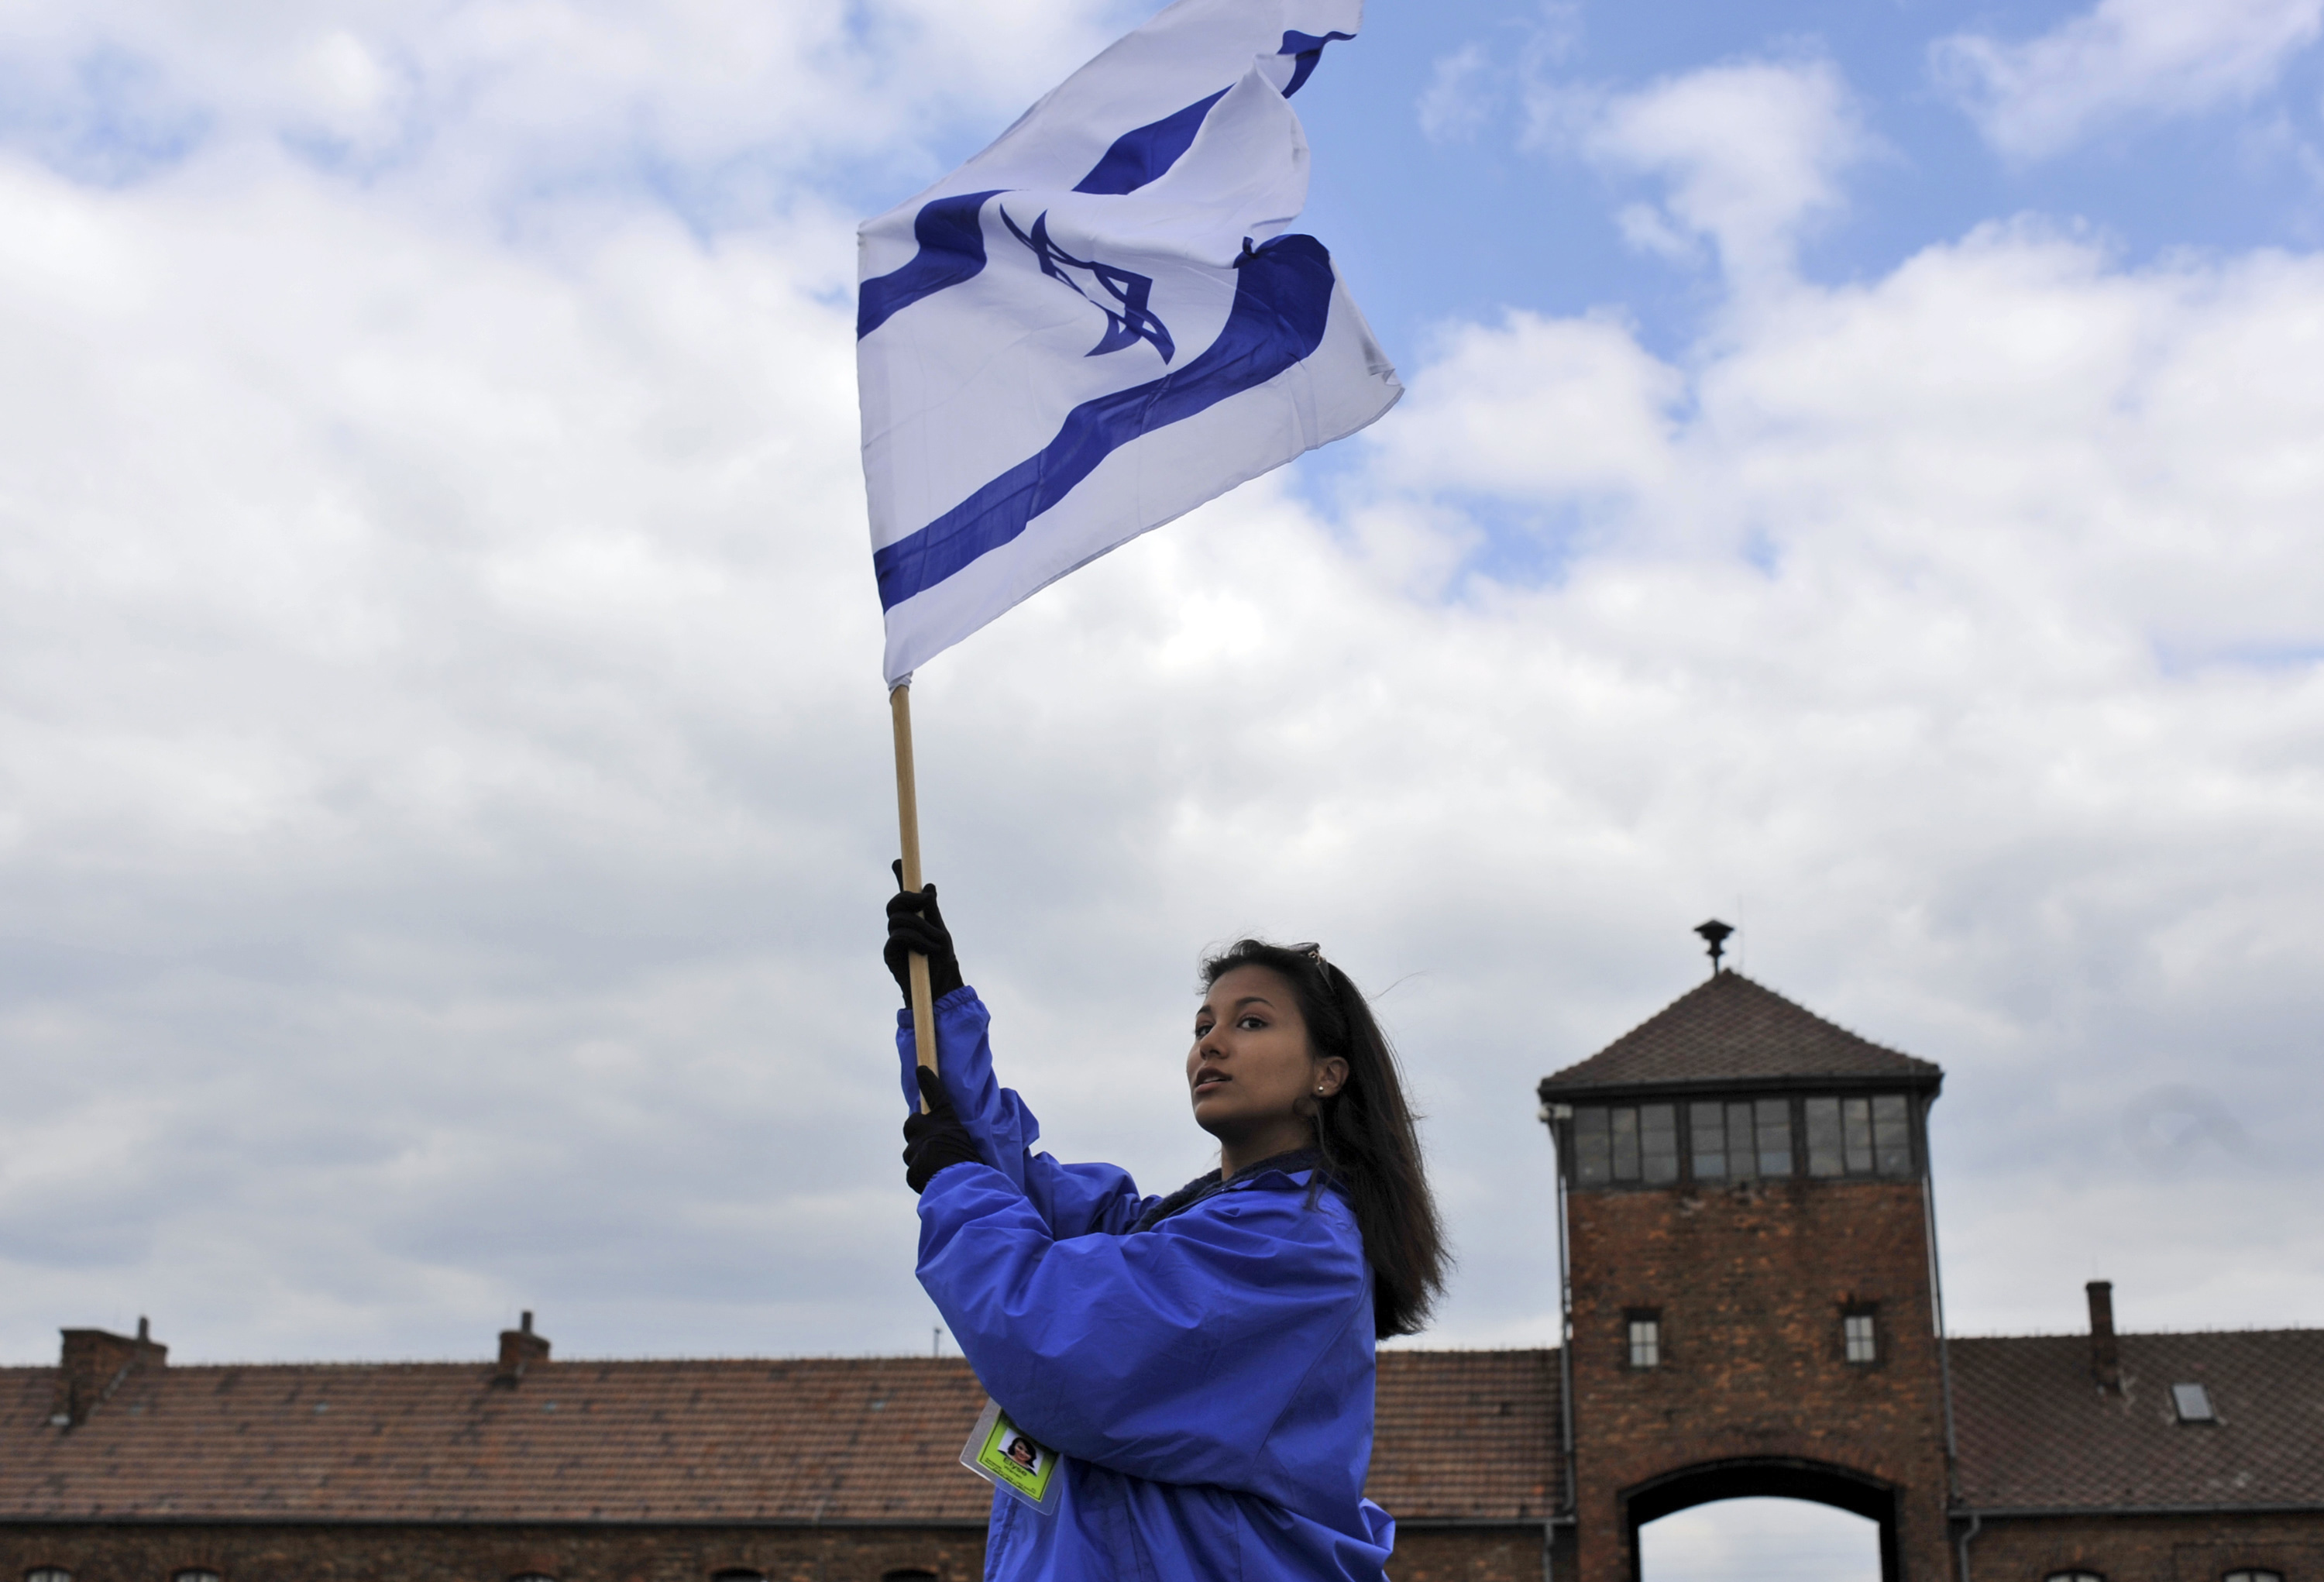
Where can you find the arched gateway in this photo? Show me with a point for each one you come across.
(1751, 1293)
(1763, 1477)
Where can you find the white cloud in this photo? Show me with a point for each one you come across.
(1459, 96)
(1474, 84)
(2120, 59)
(1750, 152)
(1536, 406)
(519, 101)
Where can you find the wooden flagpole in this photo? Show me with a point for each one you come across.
(908, 820)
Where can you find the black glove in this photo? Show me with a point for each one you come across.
(914, 924)
(936, 1139)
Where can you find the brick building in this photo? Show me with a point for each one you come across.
(118, 1467)
(1752, 1308)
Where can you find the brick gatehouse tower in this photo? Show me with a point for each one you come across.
(1751, 1297)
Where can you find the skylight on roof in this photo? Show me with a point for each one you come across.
(2194, 1403)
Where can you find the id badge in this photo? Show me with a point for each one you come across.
(1004, 1456)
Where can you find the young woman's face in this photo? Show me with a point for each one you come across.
(1255, 1081)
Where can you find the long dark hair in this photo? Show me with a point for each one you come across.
(1364, 1132)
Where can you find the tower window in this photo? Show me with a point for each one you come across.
(2193, 1403)
(2073, 1577)
(1626, 1144)
(1625, 1130)
(1856, 1127)
(48, 1574)
(1859, 1136)
(1658, 1142)
(2253, 1575)
(1646, 1339)
(1825, 1156)
(1859, 1335)
(1773, 1118)
(1707, 1140)
(194, 1574)
(1891, 1134)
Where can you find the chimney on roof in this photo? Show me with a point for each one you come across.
(94, 1364)
(2105, 1358)
(520, 1348)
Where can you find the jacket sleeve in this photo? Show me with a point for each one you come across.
(1072, 1199)
(1171, 1355)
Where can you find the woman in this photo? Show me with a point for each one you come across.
(1203, 1362)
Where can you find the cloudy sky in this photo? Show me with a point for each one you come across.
(1860, 479)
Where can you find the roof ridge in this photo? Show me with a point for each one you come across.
(1732, 1028)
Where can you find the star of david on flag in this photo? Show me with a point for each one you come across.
(1102, 322)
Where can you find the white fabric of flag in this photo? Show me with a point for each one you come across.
(1101, 321)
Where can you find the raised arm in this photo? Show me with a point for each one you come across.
(1073, 1199)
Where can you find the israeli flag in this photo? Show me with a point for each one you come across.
(1099, 322)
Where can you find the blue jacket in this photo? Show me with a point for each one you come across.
(1208, 1382)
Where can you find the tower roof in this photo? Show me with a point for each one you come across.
(1731, 1030)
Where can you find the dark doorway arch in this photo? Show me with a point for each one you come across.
(1779, 1477)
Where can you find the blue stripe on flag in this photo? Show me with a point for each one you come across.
(1306, 51)
(1283, 300)
(1138, 156)
(952, 250)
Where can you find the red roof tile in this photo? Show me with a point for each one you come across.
(1730, 1029)
(2037, 1433)
(1467, 1436)
(1459, 1434)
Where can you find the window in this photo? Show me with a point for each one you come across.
(1856, 1125)
(1723, 1146)
(908, 1574)
(1824, 1156)
(1645, 1340)
(1859, 1136)
(2253, 1575)
(48, 1574)
(738, 1573)
(2073, 1577)
(1738, 1141)
(1891, 1134)
(1658, 1142)
(1707, 1123)
(1593, 1158)
(197, 1573)
(1625, 1130)
(2193, 1403)
(1625, 1144)
(1860, 1334)
(520, 1577)
(1774, 1125)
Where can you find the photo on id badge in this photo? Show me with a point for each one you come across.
(1005, 1456)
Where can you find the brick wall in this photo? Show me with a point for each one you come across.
(1750, 1281)
(1473, 1554)
(2149, 1548)
(152, 1553)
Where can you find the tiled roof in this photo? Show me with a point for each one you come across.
(1730, 1029)
(673, 1442)
(1459, 1434)
(1467, 1436)
(2037, 1434)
